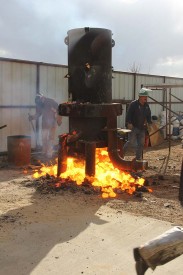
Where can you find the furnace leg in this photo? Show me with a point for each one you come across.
(90, 148)
(62, 155)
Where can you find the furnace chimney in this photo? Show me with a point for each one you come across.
(92, 115)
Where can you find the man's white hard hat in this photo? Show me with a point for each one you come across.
(144, 92)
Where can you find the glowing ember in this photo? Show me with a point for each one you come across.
(110, 179)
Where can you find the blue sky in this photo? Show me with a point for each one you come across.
(148, 33)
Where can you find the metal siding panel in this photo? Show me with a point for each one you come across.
(6, 83)
(18, 86)
(122, 86)
(28, 83)
(115, 86)
(52, 82)
(43, 85)
(178, 92)
(18, 83)
(177, 108)
(125, 88)
(16, 96)
(127, 85)
(61, 85)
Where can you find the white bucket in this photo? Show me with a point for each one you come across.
(173, 119)
(163, 114)
(176, 123)
(174, 137)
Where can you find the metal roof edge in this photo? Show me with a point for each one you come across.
(31, 62)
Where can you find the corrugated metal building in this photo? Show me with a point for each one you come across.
(20, 81)
(127, 85)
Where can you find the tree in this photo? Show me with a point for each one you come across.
(134, 67)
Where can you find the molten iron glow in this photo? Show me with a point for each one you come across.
(110, 179)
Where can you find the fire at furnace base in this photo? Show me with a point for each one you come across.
(109, 180)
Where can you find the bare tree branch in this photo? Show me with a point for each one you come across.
(134, 67)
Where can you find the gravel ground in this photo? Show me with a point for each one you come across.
(162, 176)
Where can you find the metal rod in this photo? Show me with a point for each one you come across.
(62, 154)
(90, 148)
(181, 185)
(169, 143)
(162, 86)
(177, 98)
(17, 106)
(37, 78)
(163, 105)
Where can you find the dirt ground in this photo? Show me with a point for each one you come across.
(18, 190)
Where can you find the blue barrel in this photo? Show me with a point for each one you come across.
(175, 131)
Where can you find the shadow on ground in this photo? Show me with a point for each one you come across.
(29, 233)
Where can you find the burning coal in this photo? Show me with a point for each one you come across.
(109, 179)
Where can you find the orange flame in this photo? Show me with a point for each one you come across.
(110, 179)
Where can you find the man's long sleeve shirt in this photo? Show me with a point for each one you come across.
(138, 115)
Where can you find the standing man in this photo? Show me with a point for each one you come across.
(137, 117)
(48, 109)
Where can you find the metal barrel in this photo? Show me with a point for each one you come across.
(19, 150)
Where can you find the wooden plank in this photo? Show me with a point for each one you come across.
(163, 248)
(156, 137)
